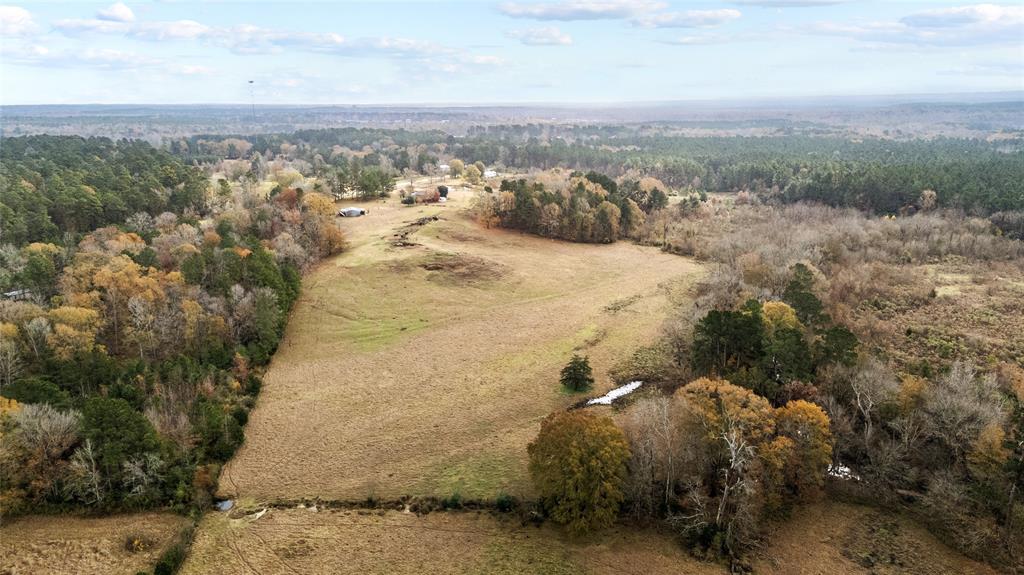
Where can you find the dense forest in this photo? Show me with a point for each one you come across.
(54, 185)
(880, 175)
(131, 350)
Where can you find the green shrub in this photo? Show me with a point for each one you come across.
(577, 375)
(505, 502)
(38, 390)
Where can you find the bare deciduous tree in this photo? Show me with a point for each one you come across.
(85, 480)
(46, 431)
(10, 362)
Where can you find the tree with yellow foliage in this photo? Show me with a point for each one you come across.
(457, 167)
(743, 461)
(778, 315)
(319, 204)
(74, 331)
(807, 426)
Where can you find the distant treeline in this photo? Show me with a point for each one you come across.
(879, 175)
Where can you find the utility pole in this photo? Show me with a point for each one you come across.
(252, 101)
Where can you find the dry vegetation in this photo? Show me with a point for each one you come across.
(427, 369)
(393, 542)
(932, 288)
(300, 540)
(842, 538)
(117, 544)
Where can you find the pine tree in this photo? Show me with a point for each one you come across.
(577, 375)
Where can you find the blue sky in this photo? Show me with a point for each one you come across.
(176, 52)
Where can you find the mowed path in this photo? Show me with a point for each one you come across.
(426, 370)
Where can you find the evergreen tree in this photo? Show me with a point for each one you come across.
(577, 375)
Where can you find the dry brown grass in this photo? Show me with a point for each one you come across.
(974, 313)
(834, 538)
(52, 545)
(426, 370)
(822, 539)
(393, 542)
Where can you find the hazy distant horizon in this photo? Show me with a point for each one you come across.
(978, 97)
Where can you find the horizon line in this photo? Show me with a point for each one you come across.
(1013, 95)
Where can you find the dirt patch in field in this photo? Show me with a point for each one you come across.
(840, 538)
(461, 269)
(464, 543)
(432, 381)
(51, 545)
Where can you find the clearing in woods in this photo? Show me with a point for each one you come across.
(425, 368)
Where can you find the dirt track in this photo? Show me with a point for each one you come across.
(426, 369)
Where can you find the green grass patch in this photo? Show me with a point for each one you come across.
(482, 476)
(520, 554)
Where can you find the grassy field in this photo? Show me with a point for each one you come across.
(823, 539)
(65, 545)
(426, 369)
(843, 538)
(394, 542)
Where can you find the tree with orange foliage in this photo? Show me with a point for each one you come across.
(807, 426)
(744, 460)
(578, 464)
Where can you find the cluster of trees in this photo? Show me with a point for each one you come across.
(944, 435)
(578, 207)
(773, 348)
(133, 359)
(715, 461)
(52, 185)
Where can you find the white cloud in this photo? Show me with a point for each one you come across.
(997, 69)
(688, 19)
(789, 3)
(581, 9)
(194, 70)
(175, 30)
(117, 12)
(72, 26)
(978, 14)
(710, 39)
(157, 30)
(417, 55)
(972, 25)
(106, 59)
(547, 36)
(15, 21)
(256, 40)
(247, 39)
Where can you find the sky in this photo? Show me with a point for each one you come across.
(480, 52)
